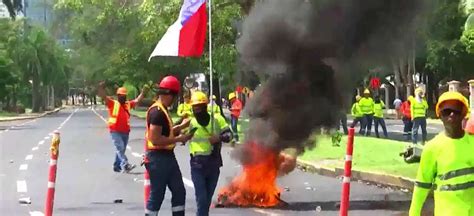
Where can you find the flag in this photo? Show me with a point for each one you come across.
(186, 37)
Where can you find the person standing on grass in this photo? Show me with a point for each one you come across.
(366, 104)
(378, 117)
(119, 123)
(447, 163)
(418, 108)
(397, 103)
(357, 115)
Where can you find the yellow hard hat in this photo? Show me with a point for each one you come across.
(418, 90)
(198, 98)
(452, 96)
(358, 97)
(231, 95)
(122, 91)
(213, 97)
(366, 91)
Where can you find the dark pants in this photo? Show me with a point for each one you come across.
(120, 142)
(234, 121)
(164, 172)
(356, 121)
(343, 122)
(368, 118)
(417, 123)
(380, 121)
(408, 126)
(205, 182)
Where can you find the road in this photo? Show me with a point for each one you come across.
(86, 184)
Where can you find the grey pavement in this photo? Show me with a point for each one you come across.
(86, 184)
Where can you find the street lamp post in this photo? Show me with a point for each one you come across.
(454, 85)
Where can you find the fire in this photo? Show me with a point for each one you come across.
(256, 185)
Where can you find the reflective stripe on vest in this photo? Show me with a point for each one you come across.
(115, 112)
(418, 109)
(150, 145)
(442, 186)
(200, 144)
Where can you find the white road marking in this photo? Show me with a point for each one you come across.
(265, 212)
(135, 154)
(21, 186)
(23, 167)
(34, 148)
(41, 142)
(188, 182)
(100, 116)
(46, 138)
(36, 213)
(6, 130)
(29, 157)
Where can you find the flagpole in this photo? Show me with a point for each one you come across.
(210, 66)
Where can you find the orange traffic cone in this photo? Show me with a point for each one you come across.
(470, 126)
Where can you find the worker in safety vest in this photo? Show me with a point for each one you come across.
(160, 161)
(214, 106)
(447, 163)
(119, 123)
(357, 115)
(235, 109)
(407, 122)
(184, 109)
(418, 108)
(379, 105)
(205, 150)
(366, 104)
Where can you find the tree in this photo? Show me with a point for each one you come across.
(13, 7)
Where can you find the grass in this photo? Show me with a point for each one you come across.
(7, 114)
(370, 155)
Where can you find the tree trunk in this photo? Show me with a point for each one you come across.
(36, 96)
(398, 81)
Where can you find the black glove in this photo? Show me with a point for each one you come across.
(226, 135)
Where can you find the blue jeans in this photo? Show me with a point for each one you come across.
(164, 172)
(205, 182)
(380, 121)
(120, 141)
(417, 123)
(368, 118)
(233, 123)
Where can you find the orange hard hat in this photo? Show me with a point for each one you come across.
(122, 91)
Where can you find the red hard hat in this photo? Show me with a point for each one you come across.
(170, 83)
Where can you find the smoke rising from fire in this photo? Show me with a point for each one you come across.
(307, 53)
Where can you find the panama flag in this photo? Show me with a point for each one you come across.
(186, 37)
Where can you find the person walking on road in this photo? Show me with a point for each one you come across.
(205, 150)
(397, 103)
(160, 160)
(119, 123)
(235, 109)
(447, 163)
(418, 108)
(357, 115)
(214, 106)
(378, 117)
(366, 104)
(407, 122)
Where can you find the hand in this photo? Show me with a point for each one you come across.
(185, 123)
(184, 137)
(145, 89)
(214, 139)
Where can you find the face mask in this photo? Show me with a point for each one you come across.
(202, 117)
(122, 99)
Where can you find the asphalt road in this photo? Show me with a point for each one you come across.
(86, 184)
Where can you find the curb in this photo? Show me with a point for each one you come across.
(375, 178)
(32, 117)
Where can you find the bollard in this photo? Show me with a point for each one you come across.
(346, 182)
(52, 174)
(146, 176)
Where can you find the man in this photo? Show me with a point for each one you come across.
(379, 105)
(205, 150)
(160, 161)
(397, 103)
(235, 109)
(418, 108)
(447, 163)
(119, 123)
(366, 104)
(215, 107)
(407, 122)
(184, 109)
(357, 115)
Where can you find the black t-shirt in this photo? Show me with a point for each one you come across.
(158, 117)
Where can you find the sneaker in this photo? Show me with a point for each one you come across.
(129, 168)
(117, 169)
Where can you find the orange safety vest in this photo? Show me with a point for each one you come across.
(149, 144)
(115, 112)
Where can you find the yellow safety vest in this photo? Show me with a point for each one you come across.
(185, 109)
(378, 109)
(215, 107)
(366, 105)
(418, 109)
(200, 144)
(115, 112)
(150, 145)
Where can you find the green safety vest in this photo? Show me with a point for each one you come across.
(366, 105)
(199, 144)
(378, 109)
(185, 109)
(215, 107)
(355, 111)
(418, 109)
(447, 167)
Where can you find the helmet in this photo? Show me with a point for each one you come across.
(170, 83)
(213, 97)
(198, 98)
(449, 96)
(122, 91)
(358, 97)
(366, 91)
(231, 95)
(418, 90)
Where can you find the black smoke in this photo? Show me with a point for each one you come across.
(307, 53)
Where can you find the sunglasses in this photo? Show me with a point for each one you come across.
(447, 112)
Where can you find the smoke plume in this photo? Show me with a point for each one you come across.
(307, 52)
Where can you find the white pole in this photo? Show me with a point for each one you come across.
(210, 65)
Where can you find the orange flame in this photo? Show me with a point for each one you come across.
(256, 185)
